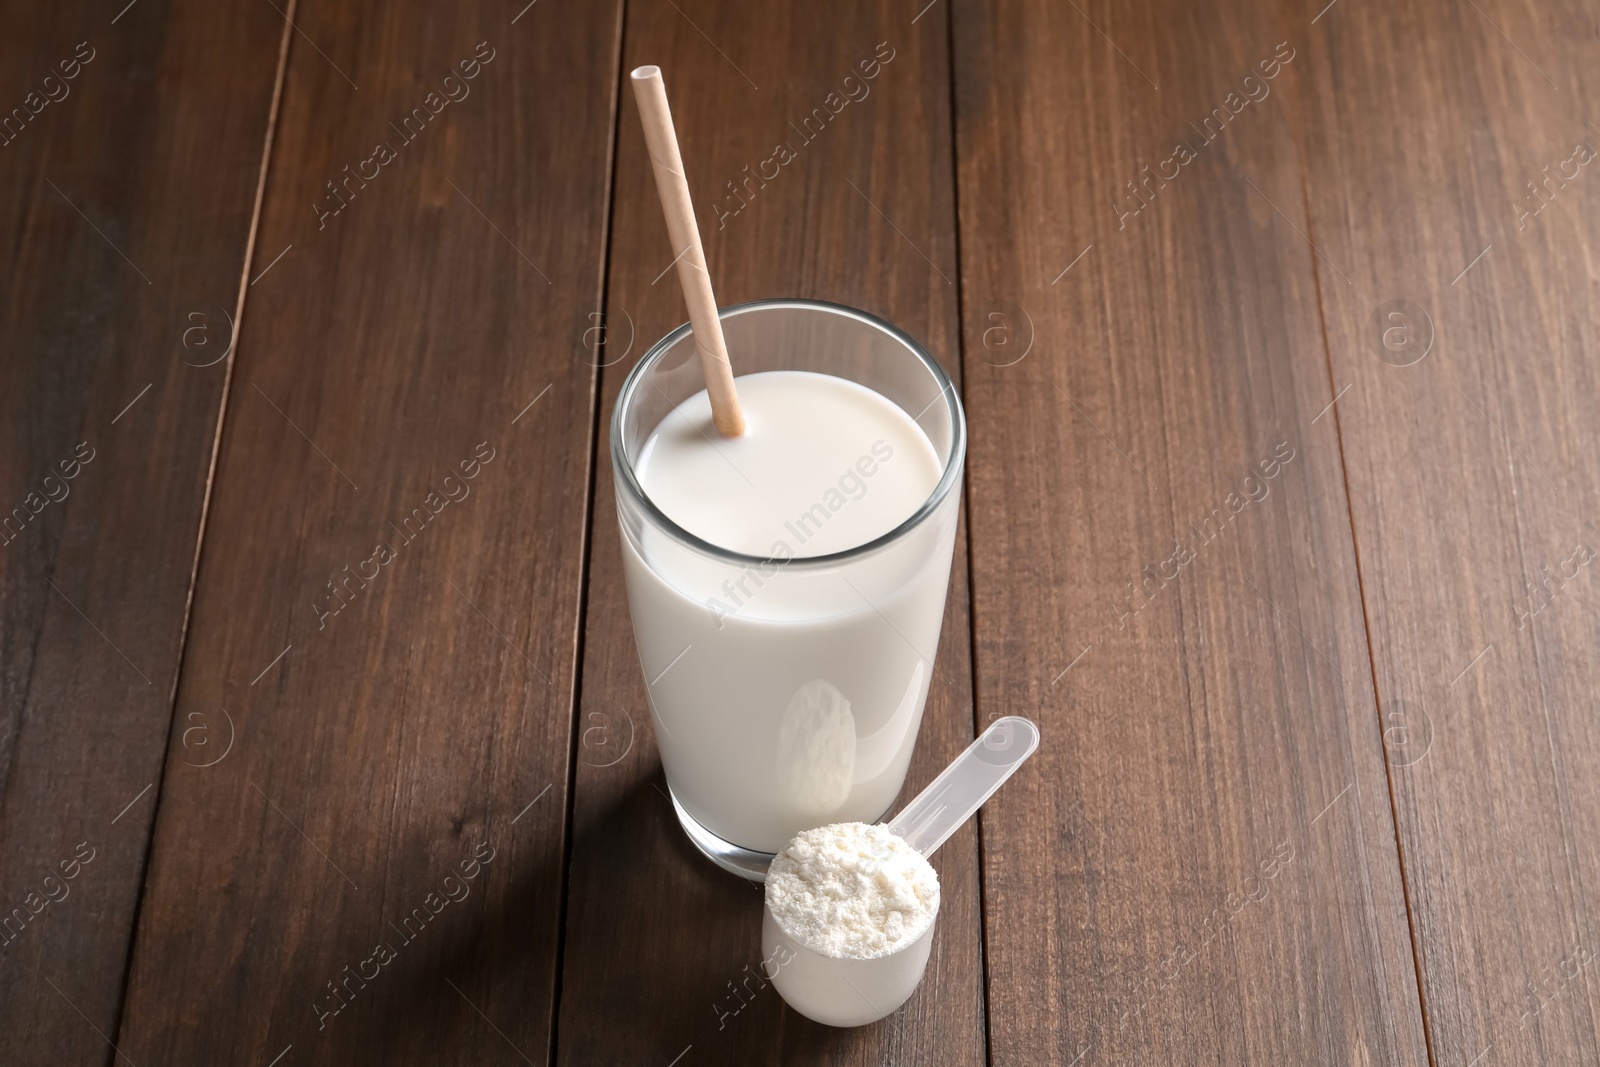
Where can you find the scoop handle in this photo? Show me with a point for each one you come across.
(961, 788)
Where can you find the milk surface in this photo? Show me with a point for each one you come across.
(824, 465)
(787, 695)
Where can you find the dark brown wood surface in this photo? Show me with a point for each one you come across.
(1280, 492)
(1470, 439)
(1201, 865)
(888, 152)
(127, 191)
(409, 376)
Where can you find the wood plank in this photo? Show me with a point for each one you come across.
(128, 177)
(1472, 483)
(655, 933)
(1199, 866)
(409, 376)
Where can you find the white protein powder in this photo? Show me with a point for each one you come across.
(852, 891)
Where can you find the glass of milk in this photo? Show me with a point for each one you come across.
(787, 587)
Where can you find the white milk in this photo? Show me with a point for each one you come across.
(786, 696)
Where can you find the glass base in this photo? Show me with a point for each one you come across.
(744, 862)
(730, 857)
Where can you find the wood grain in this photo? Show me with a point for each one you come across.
(1300, 592)
(374, 873)
(658, 938)
(1472, 483)
(127, 190)
(1199, 865)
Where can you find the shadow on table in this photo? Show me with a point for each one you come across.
(661, 959)
(663, 953)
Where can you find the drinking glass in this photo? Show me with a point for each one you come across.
(801, 706)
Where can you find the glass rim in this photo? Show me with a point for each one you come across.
(622, 463)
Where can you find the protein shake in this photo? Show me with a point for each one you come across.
(786, 688)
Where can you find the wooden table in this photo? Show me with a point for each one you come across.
(1276, 332)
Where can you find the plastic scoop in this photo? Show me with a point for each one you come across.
(850, 991)
(961, 788)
